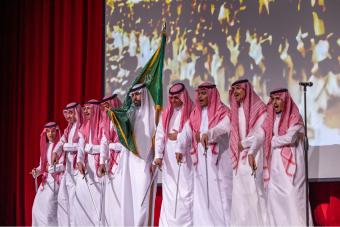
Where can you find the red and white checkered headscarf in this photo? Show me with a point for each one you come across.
(216, 112)
(92, 124)
(79, 117)
(253, 108)
(114, 102)
(110, 133)
(44, 143)
(290, 116)
(43, 152)
(179, 90)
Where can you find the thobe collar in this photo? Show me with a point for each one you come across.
(278, 115)
(177, 108)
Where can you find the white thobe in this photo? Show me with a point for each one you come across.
(166, 150)
(286, 199)
(116, 185)
(88, 201)
(68, 182)
(140, 177)
(144, 128)
(218, 176)
(248, 204)
(44, 210)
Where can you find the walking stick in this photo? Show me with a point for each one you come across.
(149, 186)
(88, 188)
(206, 171)
(177, 183)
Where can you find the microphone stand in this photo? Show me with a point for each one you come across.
(306, 148)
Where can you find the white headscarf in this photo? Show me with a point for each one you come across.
(143, 123)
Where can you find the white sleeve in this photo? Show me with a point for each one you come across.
(221, 129)
(58, 147)
(70, 146)
(104, 150)
(81, 147)
(256, 137)
(184, 141)
(118, 147)
(159, 141)
(289, 138)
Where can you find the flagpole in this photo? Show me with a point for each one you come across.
(152, 77)
(158, 110)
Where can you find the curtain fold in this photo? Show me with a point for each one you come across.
(51, 54)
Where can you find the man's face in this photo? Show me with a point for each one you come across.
(239, 93)
(105, 106)
(136, 98)
(175, 101)
(277, 103)
(203, 97)
(87, 109)
(51, 134)
(70, 116)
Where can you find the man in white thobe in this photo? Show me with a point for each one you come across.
(113, 164)
(211, 163)
(45, 205)
(247, 115)
(69, 144)
(176, 177)
(284, 171)
(142, 118)
(89, 191)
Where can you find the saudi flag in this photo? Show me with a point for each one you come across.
(152, 76)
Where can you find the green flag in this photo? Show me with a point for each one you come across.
(152, 76)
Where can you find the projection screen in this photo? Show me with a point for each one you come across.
(273, 43)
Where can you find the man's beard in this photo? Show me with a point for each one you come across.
(137, 104)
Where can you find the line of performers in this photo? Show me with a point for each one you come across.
(220, 165)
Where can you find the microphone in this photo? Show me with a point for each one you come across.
(309, 84)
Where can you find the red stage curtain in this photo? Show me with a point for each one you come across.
(325, 203)
(51, 54)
